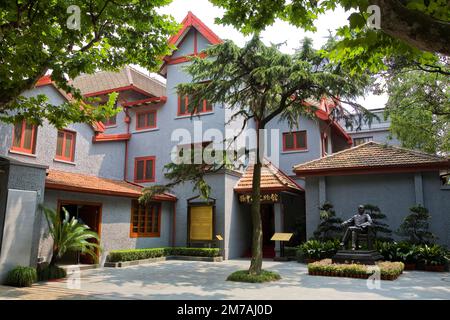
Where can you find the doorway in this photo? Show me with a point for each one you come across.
(268, 227)
(86, 213)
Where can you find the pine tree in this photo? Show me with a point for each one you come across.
(329, 227)
(379, 227)
(415, 226)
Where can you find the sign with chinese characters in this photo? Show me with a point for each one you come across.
(201, 223)
(267, 198)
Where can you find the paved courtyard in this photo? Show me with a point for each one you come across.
(204, 280)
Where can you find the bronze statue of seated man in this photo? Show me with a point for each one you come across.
(358, 224)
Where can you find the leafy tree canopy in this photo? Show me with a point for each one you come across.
(419, 109)
(413, 29)
(41, 36)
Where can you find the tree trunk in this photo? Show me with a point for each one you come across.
(256, 262)
(54, 257)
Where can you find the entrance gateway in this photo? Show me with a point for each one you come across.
(88, 213)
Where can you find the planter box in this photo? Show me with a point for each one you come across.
(410, 266)
(122, 264)
(440, 268)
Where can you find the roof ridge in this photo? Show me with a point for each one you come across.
(423, 153)
(271, 167)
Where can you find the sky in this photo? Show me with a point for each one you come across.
(279, 32)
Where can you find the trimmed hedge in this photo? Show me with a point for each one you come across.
(388, 270)
(140, 254)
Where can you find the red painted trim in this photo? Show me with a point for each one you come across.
(63, 147)
(185, 58)
(22, 139)
(146, 125)
(195, 42)
(129, 87)
(153, 215)
(145, 101)
(372, 169)
(192, 21)
(111, 137)
(145, 159)
(295, 148)
(187, 113)
(43, 81)
(111, 121)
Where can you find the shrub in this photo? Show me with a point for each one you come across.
(433, 255)
(21, 276)
(329, 227)
(380, 228)
(139, 254)
(415, 226)
(48, 272)
(317, 250)
(244, 276)
(197, 252)
(388, 270)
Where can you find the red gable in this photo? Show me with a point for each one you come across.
(190, 21)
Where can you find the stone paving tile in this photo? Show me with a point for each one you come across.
(206, 280)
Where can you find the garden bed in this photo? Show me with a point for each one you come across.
(126, 258)
(389, 270)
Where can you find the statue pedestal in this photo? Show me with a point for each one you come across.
(357, 256)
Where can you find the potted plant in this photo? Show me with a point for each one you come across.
(434, 257)
(408, 254)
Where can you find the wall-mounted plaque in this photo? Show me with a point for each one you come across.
(201, 223)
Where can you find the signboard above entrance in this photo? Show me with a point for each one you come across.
(266, 198)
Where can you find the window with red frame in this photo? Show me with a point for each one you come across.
(294, 141)
(183, 109)
(144, 169)
(111, 121)
(65, 145)
(146, 120)
(24, 138)
(145, 219)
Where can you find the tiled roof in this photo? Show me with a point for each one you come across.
(76, 182)
(372, 156)
(272, 179)
(102, 81)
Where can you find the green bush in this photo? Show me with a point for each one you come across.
(433, 255)
(314, 249)
(140, 254)
(48, 272)
(244, 276)
(411, 253)
(21, 276)
(326, 267)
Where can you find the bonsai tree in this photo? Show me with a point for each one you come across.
(69, 235)
(415, 226)
(329, 227)
(379, 227)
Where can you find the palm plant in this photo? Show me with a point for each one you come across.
(69, 235)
